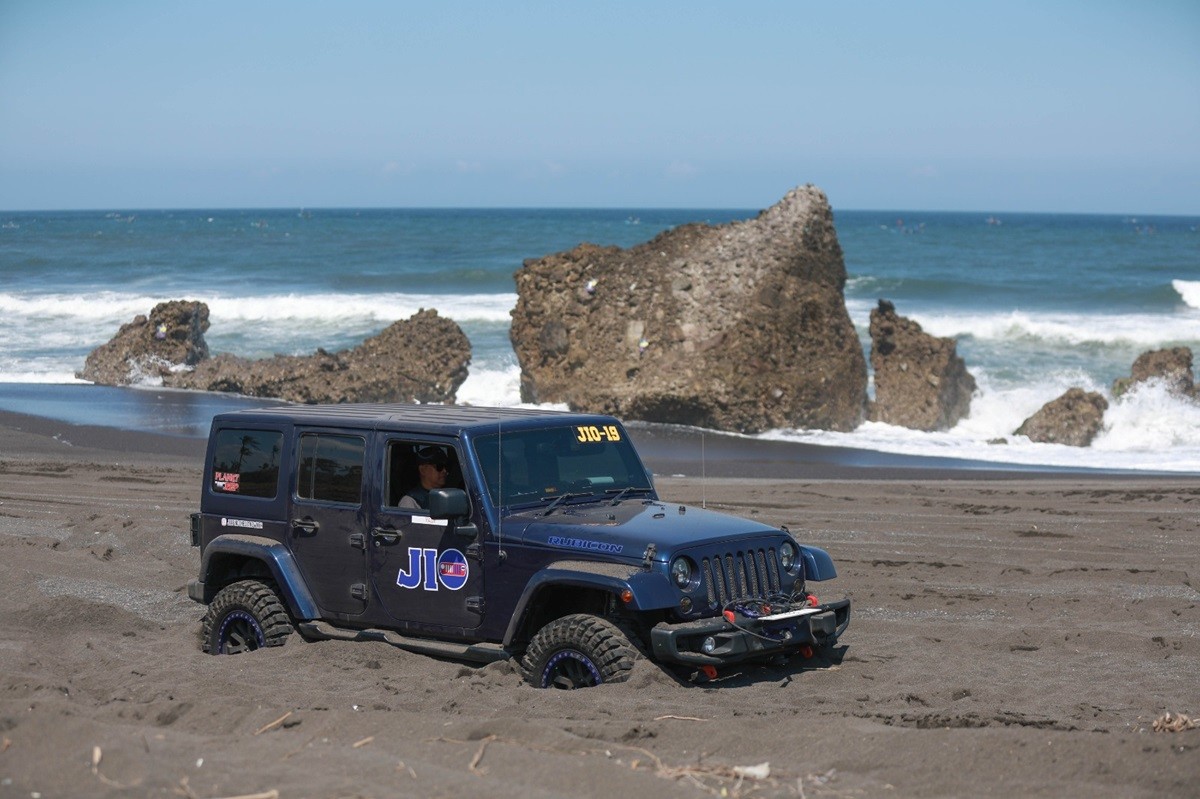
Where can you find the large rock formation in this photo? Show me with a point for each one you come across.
(737, 327)
(148, 348)
(1172, 366)
(920, 382)
(420, 359)
(1073, 419)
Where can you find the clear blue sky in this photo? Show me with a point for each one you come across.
(985, 106)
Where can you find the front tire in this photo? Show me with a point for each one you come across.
(578, 651)
(244, 616)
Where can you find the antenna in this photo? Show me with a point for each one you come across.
(500, 486)
(703, 474)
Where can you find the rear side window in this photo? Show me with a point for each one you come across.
(331, 468)
(246, 462)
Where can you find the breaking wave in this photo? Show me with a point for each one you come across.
(1189, 290)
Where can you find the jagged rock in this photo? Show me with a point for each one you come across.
(736, 327)
(920, 381)
(1172, 366)
(420, 359)
(1073, 419)
(151, 348)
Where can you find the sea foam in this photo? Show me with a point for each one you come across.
(1148, 429)
(1189, 290)
(50, 335)
(1150, 418)
(1059, 329)
(384, 308)
(498, 387)
(108, 305)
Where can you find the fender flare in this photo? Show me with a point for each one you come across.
(818, 565)
(650, 590)
(278, 560)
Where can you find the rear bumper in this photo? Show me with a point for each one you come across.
(749, 638)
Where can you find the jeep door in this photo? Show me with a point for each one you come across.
(426, 575)
(328, 520)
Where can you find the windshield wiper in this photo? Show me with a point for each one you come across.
(563, 498)
(621, 492)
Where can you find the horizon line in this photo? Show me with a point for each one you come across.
(341, 208)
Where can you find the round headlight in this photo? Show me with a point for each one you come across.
(681, 572)
(788, 556)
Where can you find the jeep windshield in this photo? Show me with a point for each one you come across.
(527, 467)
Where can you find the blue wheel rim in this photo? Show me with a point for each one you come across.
(239, 632)
(569, 669)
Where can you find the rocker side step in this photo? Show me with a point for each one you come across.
(478, 653)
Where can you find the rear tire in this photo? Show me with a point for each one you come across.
(578, 651)
(244, 616)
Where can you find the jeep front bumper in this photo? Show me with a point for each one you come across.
(719, 642)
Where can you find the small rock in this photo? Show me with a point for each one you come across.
(147, 349)
(920, 381)
(1172, 366)
(1074, 419)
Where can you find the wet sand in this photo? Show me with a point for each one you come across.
(1013, 634)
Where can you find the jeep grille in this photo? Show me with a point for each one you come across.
(738, 575)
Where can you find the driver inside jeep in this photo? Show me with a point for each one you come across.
(432, 467)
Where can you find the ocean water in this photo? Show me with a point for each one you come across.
(1037, 303)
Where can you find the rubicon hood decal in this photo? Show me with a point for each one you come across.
(585, 544)
(628, 527)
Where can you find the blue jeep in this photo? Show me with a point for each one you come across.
(541, 539)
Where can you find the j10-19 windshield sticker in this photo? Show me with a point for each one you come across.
(594, 434)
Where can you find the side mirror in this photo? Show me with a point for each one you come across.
(448, 503)
(451, 503)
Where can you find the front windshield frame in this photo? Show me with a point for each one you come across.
(542, 464)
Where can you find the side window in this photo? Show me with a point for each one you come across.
(405, 475)
(246, 462)
(331, 468)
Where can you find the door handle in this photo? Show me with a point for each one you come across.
(306, 526)
(383, 535)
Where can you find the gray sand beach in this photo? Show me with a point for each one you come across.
(1013, 634)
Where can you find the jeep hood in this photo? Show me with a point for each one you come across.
(627, 528)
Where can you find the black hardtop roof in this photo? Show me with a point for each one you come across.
(437, 419)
